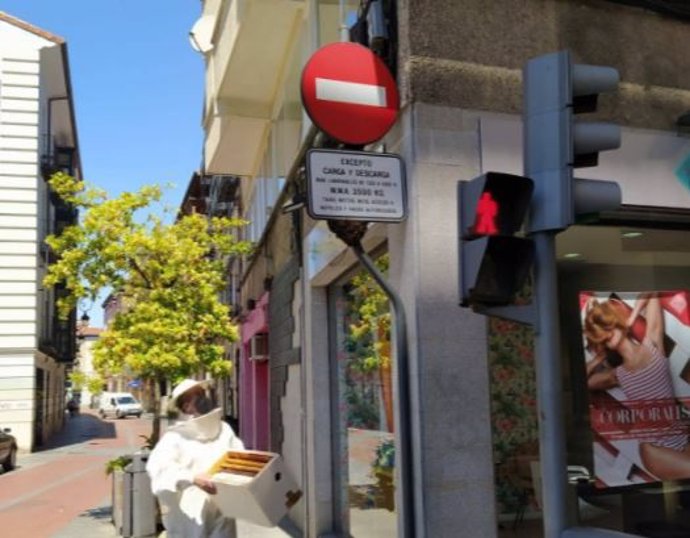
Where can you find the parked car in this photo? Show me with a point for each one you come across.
(119, 405)
(8, 449)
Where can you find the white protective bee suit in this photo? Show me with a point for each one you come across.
(187, 449)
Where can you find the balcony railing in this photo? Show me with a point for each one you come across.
(60, 159)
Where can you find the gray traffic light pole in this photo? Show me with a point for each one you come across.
(555, 90)
(552, 448)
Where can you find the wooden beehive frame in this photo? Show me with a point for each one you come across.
(244, 463)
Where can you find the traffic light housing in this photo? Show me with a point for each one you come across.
(494, 262)
(556, 91)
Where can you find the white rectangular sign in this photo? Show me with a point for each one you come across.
(356, 185)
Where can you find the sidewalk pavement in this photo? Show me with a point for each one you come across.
(96, 522)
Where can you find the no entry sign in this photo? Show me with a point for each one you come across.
(349, 93)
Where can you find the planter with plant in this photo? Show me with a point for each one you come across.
(383, 468)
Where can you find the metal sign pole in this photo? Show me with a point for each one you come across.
(404, 459)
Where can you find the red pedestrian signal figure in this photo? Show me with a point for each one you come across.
(487, 211)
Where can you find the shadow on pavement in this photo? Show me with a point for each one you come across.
(102, 513)
(79, 429)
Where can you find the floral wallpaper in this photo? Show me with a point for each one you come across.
(514, 408)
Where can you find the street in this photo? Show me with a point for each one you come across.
(62, 491)
(51, 488)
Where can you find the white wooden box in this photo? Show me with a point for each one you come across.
(254, 486)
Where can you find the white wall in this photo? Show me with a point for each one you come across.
(645, 165)
(21, 188)
(85, 357)
(293, 426)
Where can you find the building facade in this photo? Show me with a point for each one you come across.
(86, 337)
(38, 136)
(473, 399)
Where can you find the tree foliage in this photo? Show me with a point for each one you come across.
(78, 379)
(167, 277)
(369, 334)
(368, 346)
(94, 384)
(81, 380)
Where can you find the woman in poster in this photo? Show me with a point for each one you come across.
(639, 367)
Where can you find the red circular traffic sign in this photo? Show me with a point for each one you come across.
(349, 93)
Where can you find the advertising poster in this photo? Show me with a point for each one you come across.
(637, 358)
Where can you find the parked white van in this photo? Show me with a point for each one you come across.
(119, 405)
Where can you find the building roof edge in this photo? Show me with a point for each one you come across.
(14, 21)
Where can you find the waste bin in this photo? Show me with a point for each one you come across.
(139, 504)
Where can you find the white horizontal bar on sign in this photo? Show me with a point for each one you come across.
(353, 93)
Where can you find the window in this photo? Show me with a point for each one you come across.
(627, 257)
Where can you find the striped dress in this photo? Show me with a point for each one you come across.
(644, 386)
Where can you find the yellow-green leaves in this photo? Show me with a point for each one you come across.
(168, 276)
(92, 382)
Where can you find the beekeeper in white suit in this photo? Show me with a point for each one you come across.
(178, 466)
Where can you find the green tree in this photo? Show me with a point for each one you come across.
(368, 343)
(168, 277)
(94, 384)
(78, 379)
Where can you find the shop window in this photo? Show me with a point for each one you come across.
(647, 264)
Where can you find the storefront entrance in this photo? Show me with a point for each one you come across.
(361, 366)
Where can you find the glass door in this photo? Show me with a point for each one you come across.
(362, 383)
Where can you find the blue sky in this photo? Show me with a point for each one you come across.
(138, 88)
